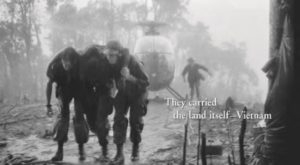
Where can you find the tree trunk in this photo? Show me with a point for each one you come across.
(282, 70)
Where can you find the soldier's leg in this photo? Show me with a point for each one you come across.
(81, 129)
(197, 86)
(120, 126)
(138, 109)
(192, 86)
(105, 107)
(61, 126)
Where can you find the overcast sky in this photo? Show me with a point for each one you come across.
(234, 21)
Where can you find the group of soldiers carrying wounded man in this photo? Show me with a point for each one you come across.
(91, 78)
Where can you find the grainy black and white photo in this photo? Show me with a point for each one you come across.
(149, 82)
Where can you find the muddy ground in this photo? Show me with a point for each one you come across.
(24, 130)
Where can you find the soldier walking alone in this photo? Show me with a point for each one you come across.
(194, 77)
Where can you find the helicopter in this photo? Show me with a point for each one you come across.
(157, 54)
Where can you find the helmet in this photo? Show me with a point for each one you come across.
(190, 59)
(115, 45)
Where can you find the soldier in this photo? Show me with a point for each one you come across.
(194, 76)
(132, 83)
(96, 87)
(63, 70)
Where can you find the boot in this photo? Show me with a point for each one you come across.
(104, 151)
(59, 153)
(119, 158)
(135, 152)
(104, 158)
(81, 152)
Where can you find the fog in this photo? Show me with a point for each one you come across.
(238, 21)
(229, 37)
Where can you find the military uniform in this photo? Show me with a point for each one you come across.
(194, 77)
(95, 80)
(131, 95)
(67, 83)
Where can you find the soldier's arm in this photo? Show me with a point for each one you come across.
(139, 75)
(50, 75)
(49, 92)
(185, 70)
(203, 68)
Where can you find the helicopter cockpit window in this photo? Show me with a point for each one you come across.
(157, 44)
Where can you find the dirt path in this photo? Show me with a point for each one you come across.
(162, 138)
(159, 137)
